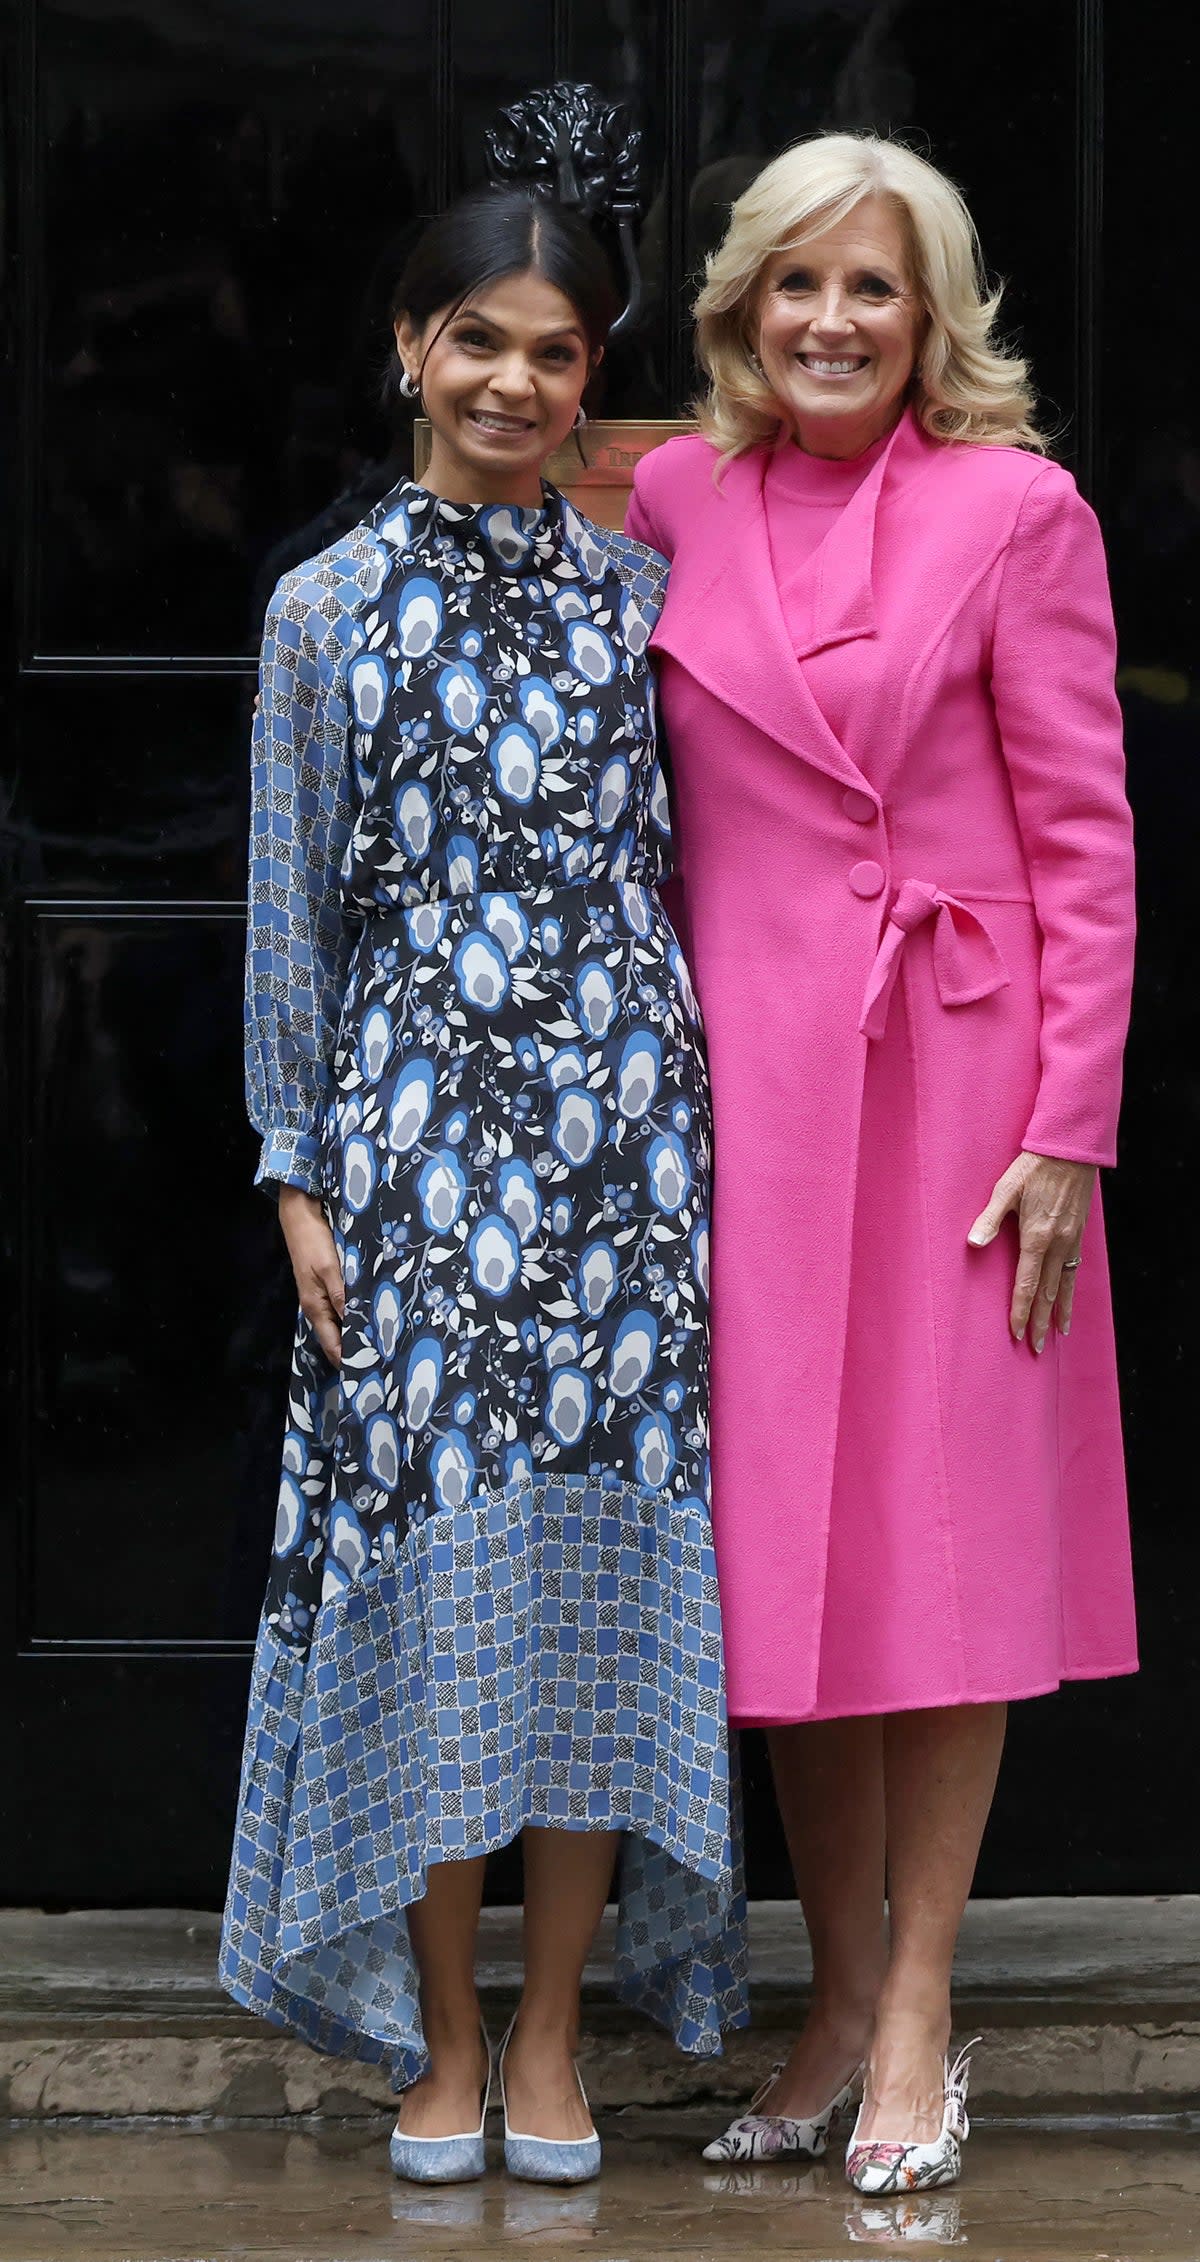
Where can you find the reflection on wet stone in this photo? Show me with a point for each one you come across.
(897, 2224)
(74, 2194)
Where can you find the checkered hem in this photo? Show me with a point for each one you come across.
(549, 1653)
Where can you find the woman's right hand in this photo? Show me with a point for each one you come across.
(313, 1252)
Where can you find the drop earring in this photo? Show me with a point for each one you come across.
(409, 387)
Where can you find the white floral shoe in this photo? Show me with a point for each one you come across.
(894, 2165)
(775, 2136)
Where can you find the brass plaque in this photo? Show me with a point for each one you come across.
(599, 487)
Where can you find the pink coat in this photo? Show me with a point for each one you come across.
(907, 887)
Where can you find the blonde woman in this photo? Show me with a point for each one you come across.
(886, 662)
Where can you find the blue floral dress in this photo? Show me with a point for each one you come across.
(492, 1599)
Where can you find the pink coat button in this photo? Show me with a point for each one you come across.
(868, 879)
(859, 806)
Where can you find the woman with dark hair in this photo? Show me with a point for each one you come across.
(474, 1060)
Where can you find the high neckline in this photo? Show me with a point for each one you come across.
(509, 536)
(822, 479)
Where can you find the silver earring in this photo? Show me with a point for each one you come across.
(409, 387)
(580, 418)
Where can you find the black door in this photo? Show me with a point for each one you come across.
(206, 211)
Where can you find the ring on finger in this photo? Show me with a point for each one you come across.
(1072, 1264)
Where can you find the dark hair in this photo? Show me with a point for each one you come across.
(498, 232)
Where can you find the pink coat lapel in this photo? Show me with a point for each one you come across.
(724, 623)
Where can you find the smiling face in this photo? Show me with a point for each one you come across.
(838, 329)
(501, 379)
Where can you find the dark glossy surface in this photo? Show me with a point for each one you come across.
(209, 212)
(145, 1428)
(220, 202)
(1148, 481)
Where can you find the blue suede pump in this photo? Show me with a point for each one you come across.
(542, 2159)
(445, 2159)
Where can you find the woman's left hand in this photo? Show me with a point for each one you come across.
(1051, 1200)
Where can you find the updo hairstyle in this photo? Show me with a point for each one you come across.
(488, 235)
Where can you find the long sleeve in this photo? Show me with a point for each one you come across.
(301, 815)
(1053, 663)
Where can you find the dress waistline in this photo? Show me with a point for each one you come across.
(570, 899)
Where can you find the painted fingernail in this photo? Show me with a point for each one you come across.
(1039, 1345)
(1020, 1335)
(1066, 1327)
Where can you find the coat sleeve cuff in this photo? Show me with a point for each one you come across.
(1067, 1150)
(290, 1158)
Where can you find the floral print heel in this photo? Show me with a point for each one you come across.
(894, 2166)
(777, 2136)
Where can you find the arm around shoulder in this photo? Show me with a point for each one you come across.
(640, 521)
(662, 482)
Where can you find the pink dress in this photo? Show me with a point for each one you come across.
(887, 689)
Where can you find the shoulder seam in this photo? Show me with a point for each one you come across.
(633, 562)
(630, 543)
(305, 585)
(1064, 487)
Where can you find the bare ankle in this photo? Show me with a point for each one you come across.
(547, 2027)
(915, 1995)
(921, 2017)
(451, 2031)
(842, 2017)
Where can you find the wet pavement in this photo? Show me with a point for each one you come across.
(74, 2193)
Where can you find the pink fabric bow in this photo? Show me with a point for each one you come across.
(966, 962)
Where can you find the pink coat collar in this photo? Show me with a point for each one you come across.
(723, 619)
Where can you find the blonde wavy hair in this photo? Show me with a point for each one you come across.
(966, 386)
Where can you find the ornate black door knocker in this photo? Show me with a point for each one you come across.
(568, 141)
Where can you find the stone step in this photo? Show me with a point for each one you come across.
(1086, 2007)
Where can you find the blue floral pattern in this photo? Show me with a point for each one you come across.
(480, 1078)
(490, 1064)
